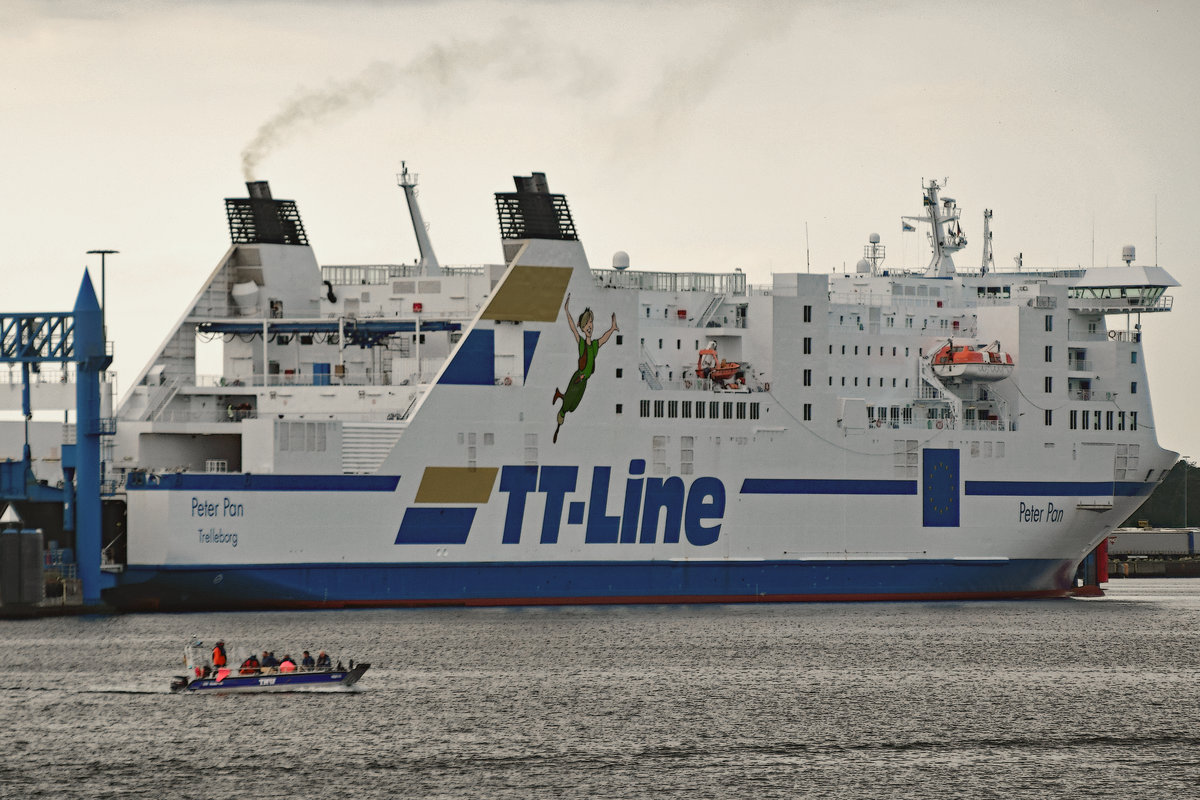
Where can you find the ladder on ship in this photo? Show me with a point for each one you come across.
(710, 311)
(649, 369)
(930, 387)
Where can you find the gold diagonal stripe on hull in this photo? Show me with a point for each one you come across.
(456, 484)
(529, 294)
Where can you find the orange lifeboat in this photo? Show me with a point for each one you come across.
(957, 362)
(713, 368)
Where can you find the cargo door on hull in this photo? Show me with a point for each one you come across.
(1100, 475)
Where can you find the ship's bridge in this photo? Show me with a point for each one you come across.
(1121, 290)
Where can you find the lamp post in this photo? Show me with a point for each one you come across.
(103, 302)
(1184, 459)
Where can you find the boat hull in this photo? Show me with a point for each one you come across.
(973, 372)
(325, 681)
(560, 583)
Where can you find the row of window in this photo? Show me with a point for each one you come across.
(882, 350)
(1078, 420)
(698, 409)
(881, 383)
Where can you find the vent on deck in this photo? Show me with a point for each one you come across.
(532, 212)
(259, 219)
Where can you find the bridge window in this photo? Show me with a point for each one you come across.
(1133, 420)
(808, 377)
(658, 408)
(1074, 419)
(808, 412)
(1049, 416)
(644, 409)
(1133, 387)
(808, 313)
(1049, 384)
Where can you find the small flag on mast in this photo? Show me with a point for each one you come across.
(904, 226)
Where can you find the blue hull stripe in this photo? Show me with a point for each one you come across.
(1057, 488)
(493, 583)
(433, 525)
(825, 486)
(239, 482)
(474, 362)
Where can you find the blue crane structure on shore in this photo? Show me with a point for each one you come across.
(75, 337)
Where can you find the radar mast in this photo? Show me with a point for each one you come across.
(945, 236)
(408, 182)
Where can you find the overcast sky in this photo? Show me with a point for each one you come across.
(694, 136)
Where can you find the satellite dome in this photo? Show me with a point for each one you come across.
(620, 260)
(874, 239)
(864, 265)
(1128, 254)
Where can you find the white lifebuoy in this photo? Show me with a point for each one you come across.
(939, 424)
(1112, 334)
(507, 381)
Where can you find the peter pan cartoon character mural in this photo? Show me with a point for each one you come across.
(587, 360)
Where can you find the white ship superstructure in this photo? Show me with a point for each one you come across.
(539, 431)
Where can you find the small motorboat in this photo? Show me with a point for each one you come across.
(202, 677)
(958, 362)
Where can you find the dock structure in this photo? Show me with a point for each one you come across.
(75, 337)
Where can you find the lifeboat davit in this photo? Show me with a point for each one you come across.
(716, 369)
(958, 362)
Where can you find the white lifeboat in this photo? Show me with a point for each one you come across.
(959, 362)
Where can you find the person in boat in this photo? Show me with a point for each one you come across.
(588, 349)
(219, 658)
(250, 665)
(287, 665)
(323, 660)
(307, 662)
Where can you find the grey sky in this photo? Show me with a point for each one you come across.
(692, 135)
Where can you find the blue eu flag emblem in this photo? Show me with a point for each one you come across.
(940, 497)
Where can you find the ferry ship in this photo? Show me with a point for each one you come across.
(539, 431)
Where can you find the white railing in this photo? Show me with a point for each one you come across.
(377, 274)
(728, 283)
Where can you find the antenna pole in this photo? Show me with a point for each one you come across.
(807, 252)
(103, 284)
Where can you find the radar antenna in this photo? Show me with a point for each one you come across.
(945, 236)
